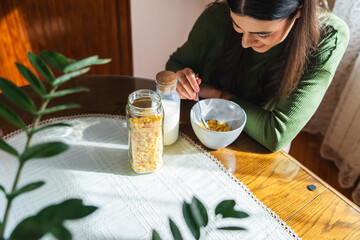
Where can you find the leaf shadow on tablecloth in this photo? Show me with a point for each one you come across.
(96, 146)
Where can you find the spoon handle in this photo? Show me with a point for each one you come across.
(201, 117)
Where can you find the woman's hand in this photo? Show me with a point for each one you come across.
(208, 91)
(188, 84)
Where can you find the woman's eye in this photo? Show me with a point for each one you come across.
(263, 36)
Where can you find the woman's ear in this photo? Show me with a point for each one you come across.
(298, 14)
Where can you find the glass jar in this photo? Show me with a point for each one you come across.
(166, 87)
(145, 120)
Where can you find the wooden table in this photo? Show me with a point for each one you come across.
(277, 179)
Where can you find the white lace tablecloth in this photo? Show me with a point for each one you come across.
(97, 169)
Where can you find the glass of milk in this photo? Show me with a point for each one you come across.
(166, 88)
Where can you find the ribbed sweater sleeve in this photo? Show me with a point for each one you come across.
(277, 127)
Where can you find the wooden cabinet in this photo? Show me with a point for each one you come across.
(76, 29)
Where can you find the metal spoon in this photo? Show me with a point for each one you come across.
(201, 117)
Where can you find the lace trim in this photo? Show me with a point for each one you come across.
(50, 120)
(244, 187)
(285, 227)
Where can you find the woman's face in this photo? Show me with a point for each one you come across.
(261, 35)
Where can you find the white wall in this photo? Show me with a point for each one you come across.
(158, 28)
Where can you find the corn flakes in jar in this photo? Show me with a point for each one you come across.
(145, 120)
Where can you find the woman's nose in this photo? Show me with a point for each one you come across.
(247, 40)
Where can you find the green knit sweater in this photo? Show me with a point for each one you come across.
(276, 123)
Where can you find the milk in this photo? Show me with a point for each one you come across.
(171, 121)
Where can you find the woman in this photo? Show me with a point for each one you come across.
(275, 58)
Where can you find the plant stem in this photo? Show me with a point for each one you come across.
(42, 107)
(27, 145)
(8, 206)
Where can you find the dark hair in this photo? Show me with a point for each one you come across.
(280, 76)
(265, 10)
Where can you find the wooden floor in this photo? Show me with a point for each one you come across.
(306, 149)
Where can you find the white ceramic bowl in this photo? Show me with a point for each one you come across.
(223, 111)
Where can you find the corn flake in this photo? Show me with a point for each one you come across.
(146, 143)
(216, 126)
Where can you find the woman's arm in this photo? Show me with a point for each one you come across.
(277, 123)
(197, 54)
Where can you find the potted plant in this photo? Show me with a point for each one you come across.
(51, 218)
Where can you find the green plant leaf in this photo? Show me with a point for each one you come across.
(43, 150)
(2, 189)
(27, 188)
(190, 222)
(78, 64)
(66, 77)
(41, 67)
(175, 231)
(30, 229)
(51, 125)
(102, 61)
(68, 210)
(7, 148)
(16, 95)
(232, 228)
(198, 211)
(50, 220)
(54, 59)
(58, 108)
(11, 117)
(155, 236)
(86, 62)
(66, 92)
(226, 209)
(35, 83)
(60, 232)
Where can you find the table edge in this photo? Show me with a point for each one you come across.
(328, 186)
